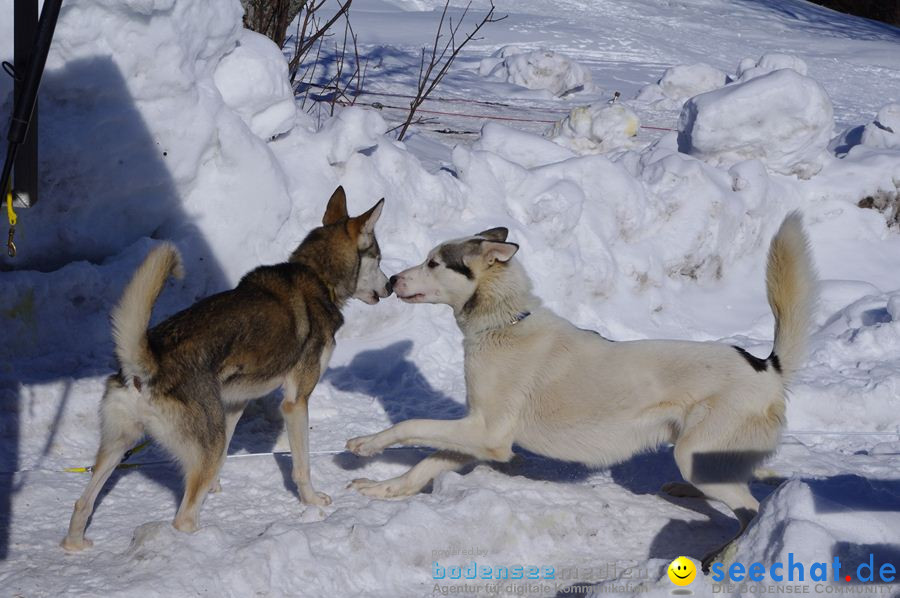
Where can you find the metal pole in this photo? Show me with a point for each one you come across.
(26, 167)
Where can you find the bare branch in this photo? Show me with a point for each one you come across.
(307, 44)
(442, 56)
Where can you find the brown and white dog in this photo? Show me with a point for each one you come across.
(536, 380)
(186, 381)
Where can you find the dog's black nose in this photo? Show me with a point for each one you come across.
(389, 287)
(392, 281)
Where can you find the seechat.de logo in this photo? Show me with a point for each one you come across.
(793, 570)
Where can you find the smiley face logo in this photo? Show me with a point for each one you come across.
(682, 571)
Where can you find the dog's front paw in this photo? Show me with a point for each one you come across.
(383, 490)
(319, 499)
(364, 446)
(215, 487)
(75, 544)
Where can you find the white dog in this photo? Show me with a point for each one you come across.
(534, 379)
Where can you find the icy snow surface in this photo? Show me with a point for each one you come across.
(164, 119)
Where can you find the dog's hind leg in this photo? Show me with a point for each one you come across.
(201, 459)
(722, 473)
(232, 416)
(413, 480)
(193, 430)
(120, 430)
(198, 478)
(745, 507)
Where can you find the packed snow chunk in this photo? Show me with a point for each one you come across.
(679, 83)
(750, 69)
(597, 128)
(783, 118)
(352, 129)
(543, 69)
(520, 147)
(884, 131)
(815, 521)
(488, 64)
(253, 81)
(893, 307)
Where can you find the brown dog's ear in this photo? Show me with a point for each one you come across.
(367, 220)
(493, 251)
(337, 207)
(494, 234)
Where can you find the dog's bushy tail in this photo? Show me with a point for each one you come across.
(131, 316)
(791, 289)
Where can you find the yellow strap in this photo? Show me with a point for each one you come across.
(90, 468)
(10, 213)
(121, 465)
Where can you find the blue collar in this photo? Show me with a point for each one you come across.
(519, 317)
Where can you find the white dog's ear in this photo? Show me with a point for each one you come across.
(369, 219)
(494, 234)
(493, 251)
(337, 208)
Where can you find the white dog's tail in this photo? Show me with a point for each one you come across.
(791, 289)
(131, 316)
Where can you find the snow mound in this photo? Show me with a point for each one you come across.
(845, 516)
(783, 118)
(141, 143)
(351, 130)
(253, 81)
(862, 333)
(749, 68)
(607, 227)
(597, 128)
(541, 69)
(520, 147)
(884, 131)
(679, 83)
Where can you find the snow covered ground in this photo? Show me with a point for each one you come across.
(163, 119)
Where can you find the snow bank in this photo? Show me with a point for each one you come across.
(541, 69)
(884, 131)
(596, 128)
(846, 516)
(138, 141)
(591, 225)
(782, 118)
(767, 63)
(519, 147)
(860, 339)
(679, 83)
(253, 81)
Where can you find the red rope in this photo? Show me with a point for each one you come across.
(379, 106)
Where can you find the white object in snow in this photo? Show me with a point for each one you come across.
(679, 83)
(783, 118)
(884, 131)
(253, 81)
(767, 63)
(596, 128)
(543, 69)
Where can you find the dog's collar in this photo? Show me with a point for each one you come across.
(515, 320)
(519, 317)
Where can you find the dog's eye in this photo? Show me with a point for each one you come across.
(432, 264)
